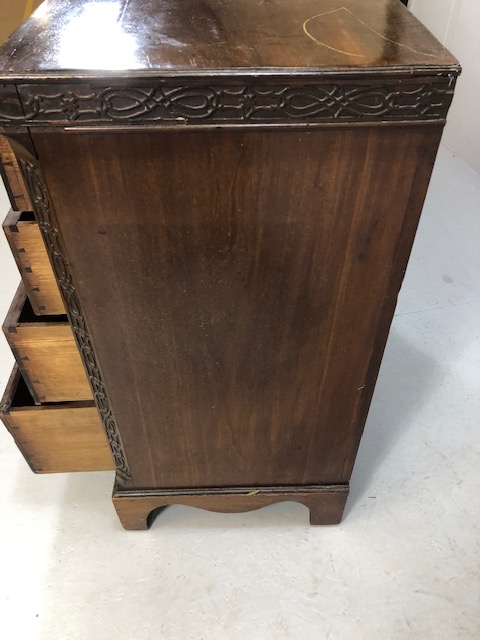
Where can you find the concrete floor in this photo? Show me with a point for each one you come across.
(405, 562)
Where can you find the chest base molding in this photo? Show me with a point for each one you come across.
(137, 509)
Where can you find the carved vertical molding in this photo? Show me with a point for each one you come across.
(46, 218)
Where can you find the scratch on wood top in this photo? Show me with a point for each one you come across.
(323, 44)
(348, 53)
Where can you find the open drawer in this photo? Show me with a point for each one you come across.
(46, 353)
(55, 438)
(26, 243)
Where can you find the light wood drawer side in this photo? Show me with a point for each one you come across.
(55, 438)
(46, 353)
(12, 177)
(28, 248)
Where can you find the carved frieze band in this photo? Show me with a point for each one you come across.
(61, 104)
(43, 209)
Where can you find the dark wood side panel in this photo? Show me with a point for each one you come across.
(235, 310)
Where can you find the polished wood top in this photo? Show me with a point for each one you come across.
(84, 38)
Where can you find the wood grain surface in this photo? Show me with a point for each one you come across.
(229, 193)
(253, 277)
(137, 509)
(12, 178)
(54, 438)
(28, 248)
(46, 353)
(188, 36)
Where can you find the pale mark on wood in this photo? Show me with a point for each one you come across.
(348, 53)
(323, 44)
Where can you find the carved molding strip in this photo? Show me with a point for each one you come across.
(62, 104)
(43, 209)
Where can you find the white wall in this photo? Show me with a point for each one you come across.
(456, 23)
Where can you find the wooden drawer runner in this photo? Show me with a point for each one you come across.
(26, 243)
(55, 438)
(46, 353)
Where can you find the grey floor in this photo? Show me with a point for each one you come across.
(404, 563)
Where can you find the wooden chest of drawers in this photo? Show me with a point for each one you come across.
(228, 207)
